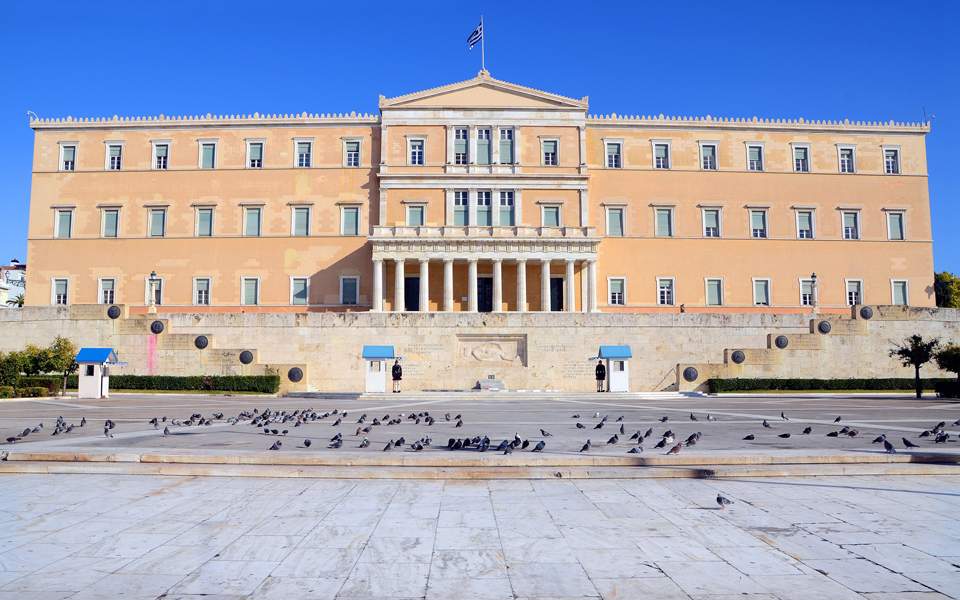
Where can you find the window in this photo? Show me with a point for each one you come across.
(507, 209)
(847, 160)
(64, 224)
(461, 199)
(805, 224)
(68, 157)
(111, 222)
(851, 225)
(895, 229)
(551, 216)
(758, 223)
(299, 291)
(801, 159)
(708, 157)
(664, 222)
(204, 222)
(304, 154)
(416, 152)
(158, 222)
(160, 154)
(614, 159)
(854, 292)
(208, 155)
(615, 222)
(617, 291)
(114, 157)
(255, 155)
(350, 220)
(506, 146)
(157, 291)
(754, 158)
(60, 291)
(415, 216)
(761, 292)
(108, 288)
(714, 292)
(484, 217)
(661, 156)
(251, 221)
(201, 291)
(807, 292)
(251, 291)
(899, 292)
(352, 150)
(483, 146)
(349, 290)
(665, 291)
(461, 137)
(301, 221)
(711, 222)
(891, 161)
(549, 148)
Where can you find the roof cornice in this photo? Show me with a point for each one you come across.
(208, 120)
(754, 123)
(484, 78)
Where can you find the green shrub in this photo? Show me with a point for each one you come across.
(752, 385)
(948, 389)
(11, 365)
(267, 384)
(51, 383)
(6, 391)
(32, 392)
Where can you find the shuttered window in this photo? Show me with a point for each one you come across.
(204, 222)
(69, 161)
(615, 222)
(664, 224)
(617, 287)
(298, 290)
(761, 292)
(111, 223)
(714, 292)
(506, 146)
(550, 153)
(349, 290)
(301, 220)
(483, 146)
(350, 220)
(851, 225)
(251, 291)
(208, 156)
(805, 224)
(758, 223)
(711, 222)
(251, 222)
(460, 207)
(158, 222)
(895, 226)
(64, 224)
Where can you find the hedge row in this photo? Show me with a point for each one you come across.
(268, 384)
(753, 385)
(948, 389)
(8, 391)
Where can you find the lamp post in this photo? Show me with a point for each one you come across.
(813, 291)
(153, 280)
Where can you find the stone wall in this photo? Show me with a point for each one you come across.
(526, 351)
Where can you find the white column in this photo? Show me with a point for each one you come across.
(545, 285)
(570, 302)
(472, 143)
(377, 285)
(521, 286)
(495, 145)
(583, 146)
(381, 209)
(584, 209)
(383, 147)
(450, 135)
(472, 285)
(398, 285)
(472, 208)
(497, 285)
(495, 206)
(424, 285)
(448, 284)
(448, 217)
(592, 285)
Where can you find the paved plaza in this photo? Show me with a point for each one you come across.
(116, 536)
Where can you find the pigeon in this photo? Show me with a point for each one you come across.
(664, 419)
(576, 416)
(908, 444)
(767, 425)
(723, 502)
(364, 443)
(635, 450)
(306, 443)
(837, 420)
(833, 434)
(166, 431)
(661, 444)
(675, 449)
(888, 447)
(955, 423)
(581, 426)
(622, 430)
(545, 433)
(337, 422)
(585, 447)
(276, 445)
(648, 432)
(784, 435)
(335, 443)
(524, 444)
(598, 425)
(620, 419)
(853, 433)
(941, 438)
(711, 417)
(614, 439)
(508, 450)
(880, 438)
(459, 423)
(539, 447)
(399, 442)
(924, 434)
(693, 417)
(106, 432)
(807, 430)
(388, 446)
(83, 422)
(783, 416)
(749, 437)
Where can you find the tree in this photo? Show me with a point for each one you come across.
(62, 354)
(11, 364)
(948, 359)
(16, 301)
(946, 288)
(36, 360)
(916, 352)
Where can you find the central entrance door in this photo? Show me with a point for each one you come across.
(411, 293)
(556, 293)
(485, 294)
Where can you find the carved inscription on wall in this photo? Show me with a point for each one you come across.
(492, 349)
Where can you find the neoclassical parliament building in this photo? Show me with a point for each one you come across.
(478, 196)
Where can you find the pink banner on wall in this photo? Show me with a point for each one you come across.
(151, 354)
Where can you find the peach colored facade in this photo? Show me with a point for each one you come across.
(485, 195)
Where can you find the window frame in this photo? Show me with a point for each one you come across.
(201, 143)
(814, 291)
(623, 299)
(607, 142)
(294, 210)
(490, 206)
(196, 220)
(903, 224)
(296, 152)
(673, 224)
(843, 227)
(513, 145)
(248, 142)
(340, 298)
(620, 208)
(160, 288)
(243, 231)
(106, 154)
(556, 152)
(103, 222)
(716, 154)
(463, 193)
(154, 144)
(53, 291)
(673, 290)
(466, 145)
(763, 156)
(892, 148)
(305, 278)
(150, 212)
(766, 223)
(669, 157)
(423, 151)
(703, 221)
(846, 290)
(343, 209)
(243, 280)
(706, 291)
(853, 158)
(479, 129)
(906, 291)
(346, 154)
(100, 290)
(501, 196)
(196, 290)
(60, 161)
(543, 214)
(794, 146)
(813, 222)
(422, 206)
(753, 290)
(56, 222)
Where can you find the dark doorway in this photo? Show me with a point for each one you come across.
(556, 293)
(411, 293)
(485, 294)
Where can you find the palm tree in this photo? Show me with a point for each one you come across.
(16, 301)
(916, 352)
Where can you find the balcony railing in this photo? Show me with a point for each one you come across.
(495, 232)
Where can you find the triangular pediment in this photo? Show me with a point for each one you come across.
(482, 92)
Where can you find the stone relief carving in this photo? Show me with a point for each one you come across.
(496, 349)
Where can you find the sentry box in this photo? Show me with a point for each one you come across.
(617, 360)
(94, 371)
(377, 361)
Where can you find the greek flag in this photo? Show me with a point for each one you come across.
(476, 36)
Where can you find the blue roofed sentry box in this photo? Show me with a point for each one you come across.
(378, 352)
(96, 355)
(615, 352)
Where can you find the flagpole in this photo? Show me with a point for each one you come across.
(483, 36)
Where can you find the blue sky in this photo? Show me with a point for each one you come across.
(871, 60)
